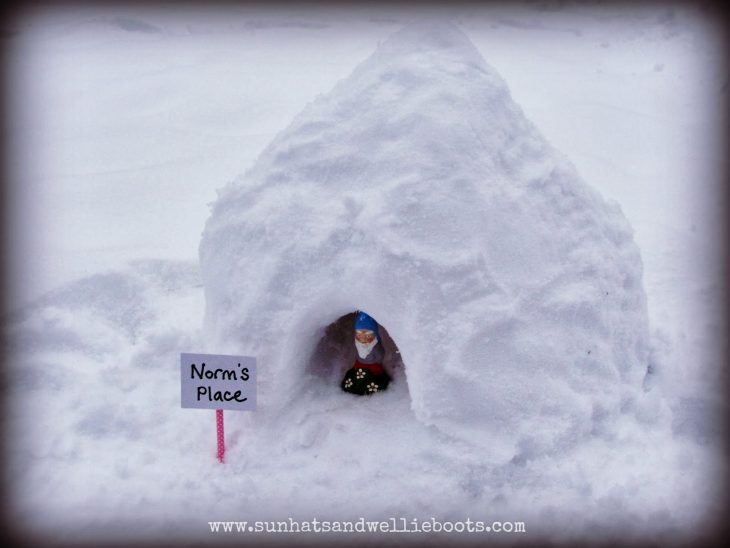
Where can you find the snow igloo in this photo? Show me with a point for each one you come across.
(416, 190)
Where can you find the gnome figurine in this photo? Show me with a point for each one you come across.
(367, 375)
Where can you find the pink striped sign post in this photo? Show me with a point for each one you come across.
(221, 434)
(215, 381)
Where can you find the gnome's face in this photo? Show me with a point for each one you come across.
(364, 336)
(365, 340)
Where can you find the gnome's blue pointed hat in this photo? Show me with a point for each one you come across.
(364, 321)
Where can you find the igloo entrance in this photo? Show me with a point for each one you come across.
(335, 353)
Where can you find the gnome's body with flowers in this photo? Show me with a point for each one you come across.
(367, 375)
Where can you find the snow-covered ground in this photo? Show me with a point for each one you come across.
(124, 123)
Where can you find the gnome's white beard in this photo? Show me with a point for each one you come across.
(364, 349)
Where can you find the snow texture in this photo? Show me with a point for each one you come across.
(417, 190)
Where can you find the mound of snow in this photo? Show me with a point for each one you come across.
(108, 313)
(418, 191)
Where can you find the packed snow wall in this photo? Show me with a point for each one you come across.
(417, 190)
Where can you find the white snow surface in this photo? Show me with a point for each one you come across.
(416, 188)
(417, 191)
